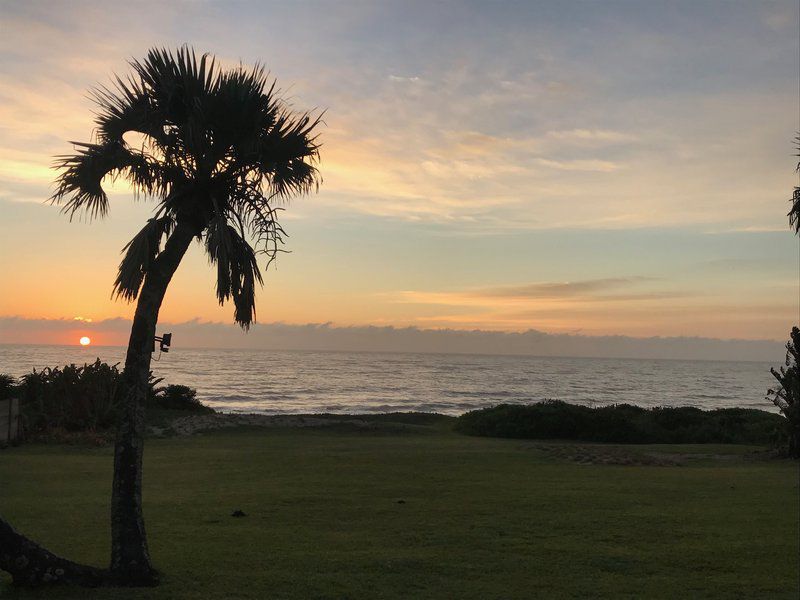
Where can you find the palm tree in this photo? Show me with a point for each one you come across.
(794, 211)
(220, 151)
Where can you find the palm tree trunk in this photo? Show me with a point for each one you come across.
(130, 559)
(30, 564)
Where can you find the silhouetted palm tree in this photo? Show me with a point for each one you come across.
(218, 149)
(787, 395)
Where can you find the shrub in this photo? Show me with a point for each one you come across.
(7, 386)
(787, 395)
(178, 397)
(548, 419)
(622, 423)
(81, 403)
(73, 398)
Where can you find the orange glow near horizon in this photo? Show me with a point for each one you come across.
(85, 341)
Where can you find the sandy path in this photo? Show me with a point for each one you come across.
(195, 423)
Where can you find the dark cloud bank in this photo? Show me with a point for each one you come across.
(279, 336)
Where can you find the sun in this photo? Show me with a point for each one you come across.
(85, 341)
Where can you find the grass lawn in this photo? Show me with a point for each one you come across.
(338, 513)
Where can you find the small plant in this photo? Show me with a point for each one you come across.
(787, 395)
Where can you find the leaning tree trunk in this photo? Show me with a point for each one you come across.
(130, 559)
(31, 564)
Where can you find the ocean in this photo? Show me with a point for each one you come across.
(280, 382)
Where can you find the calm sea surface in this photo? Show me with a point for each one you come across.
(347, 382)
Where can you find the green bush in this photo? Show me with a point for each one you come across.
(86, 398)
(622, 424)
(178, 397)
(7, 386)
(71, 398)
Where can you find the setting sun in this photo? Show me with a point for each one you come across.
(85, 341)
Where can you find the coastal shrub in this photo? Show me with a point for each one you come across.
(787, 395)
(72, 398)
(7, 385)
(622, 424)
(550, 419)
(178, 397)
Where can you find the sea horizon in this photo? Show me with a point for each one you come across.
(429, 352)
(347, 382)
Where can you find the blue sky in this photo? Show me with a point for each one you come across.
(580, 167)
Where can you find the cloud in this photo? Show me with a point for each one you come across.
(482, 136)
(780, 18)
(637, 305)
(406, 79)
(324, 336)
(604, 136)
(562, 290)
(586, 290)
(601, 166)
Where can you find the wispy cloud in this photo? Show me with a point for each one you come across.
(596, 306)
(568, 289)
(592, 289)
(602, 166)
(413, 79)
(595, 136)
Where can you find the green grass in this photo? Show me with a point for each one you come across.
(482, 518)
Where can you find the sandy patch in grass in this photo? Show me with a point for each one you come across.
(592, 454)
(191, 424)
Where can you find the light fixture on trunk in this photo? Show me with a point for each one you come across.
(164, 342)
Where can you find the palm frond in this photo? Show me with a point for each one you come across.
(237, 269)
(79, 184)
(218, 247)
(259, 217)
(288, 153)
(125, 107)
(242, 107)
(180, 86)
(140, 253)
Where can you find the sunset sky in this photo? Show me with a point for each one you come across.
(601, 168)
